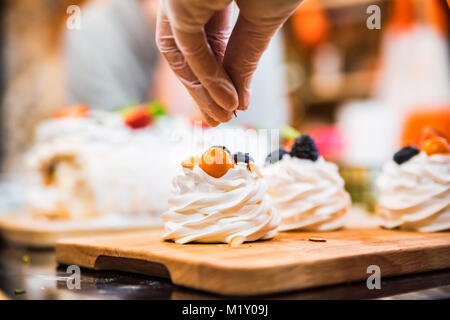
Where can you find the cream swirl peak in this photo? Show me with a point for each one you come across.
(415, 195)
(308, 194)
(217, 210)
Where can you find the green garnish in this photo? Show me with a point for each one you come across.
(26, 259)
(124, 110)
(287, 132)
(19, 291)
(156, 109)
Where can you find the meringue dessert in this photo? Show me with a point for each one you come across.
(307, 190)
(87, 163)
(220, 198)
(415, 188)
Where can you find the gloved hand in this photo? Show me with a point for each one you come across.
(193, 34)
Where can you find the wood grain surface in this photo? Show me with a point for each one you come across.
(23, 229)
(3, 296)
(288, 262)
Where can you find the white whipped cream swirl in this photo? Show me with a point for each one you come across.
(415, 195)
(213, 210)
(309, 195)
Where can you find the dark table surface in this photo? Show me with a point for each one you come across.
(42, 278)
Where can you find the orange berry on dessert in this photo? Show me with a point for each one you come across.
(436, 145)
(427, 134)
(75, 111)
(216, 162)
(137, 118)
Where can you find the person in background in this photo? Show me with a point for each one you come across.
(112, 59)
(2, 67)
(32, 73)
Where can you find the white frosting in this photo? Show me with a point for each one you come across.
(415, 195)
(113, 169)
(107, 128)
(210, 210)
(309, 195)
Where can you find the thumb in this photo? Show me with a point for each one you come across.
(247, 43)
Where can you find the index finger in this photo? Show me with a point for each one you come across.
(188, 20)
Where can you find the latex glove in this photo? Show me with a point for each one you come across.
(192, 35)
(257, 23)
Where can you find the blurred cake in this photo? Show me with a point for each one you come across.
(86, 163)
(220, 198)
(307, 190)
(415, 187)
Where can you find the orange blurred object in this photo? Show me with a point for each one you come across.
(310, 23)
(417, 121)
(428, 133)
(75, 111)
(403, 15)
(436, 145)
(216, 162)
(435, 15)
(288, 145)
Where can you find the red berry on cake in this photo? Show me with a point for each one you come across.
(137, 118)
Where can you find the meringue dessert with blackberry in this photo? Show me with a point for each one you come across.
(220, 198)
(415, 188)
(307, 190)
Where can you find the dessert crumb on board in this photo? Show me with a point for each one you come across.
(317, 240)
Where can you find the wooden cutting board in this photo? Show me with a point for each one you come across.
(3, 296)
(25, 230)
(289, 261)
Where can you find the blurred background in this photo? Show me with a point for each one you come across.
(362, 77)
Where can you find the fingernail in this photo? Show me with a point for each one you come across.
(244, 98)
(230, 98)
